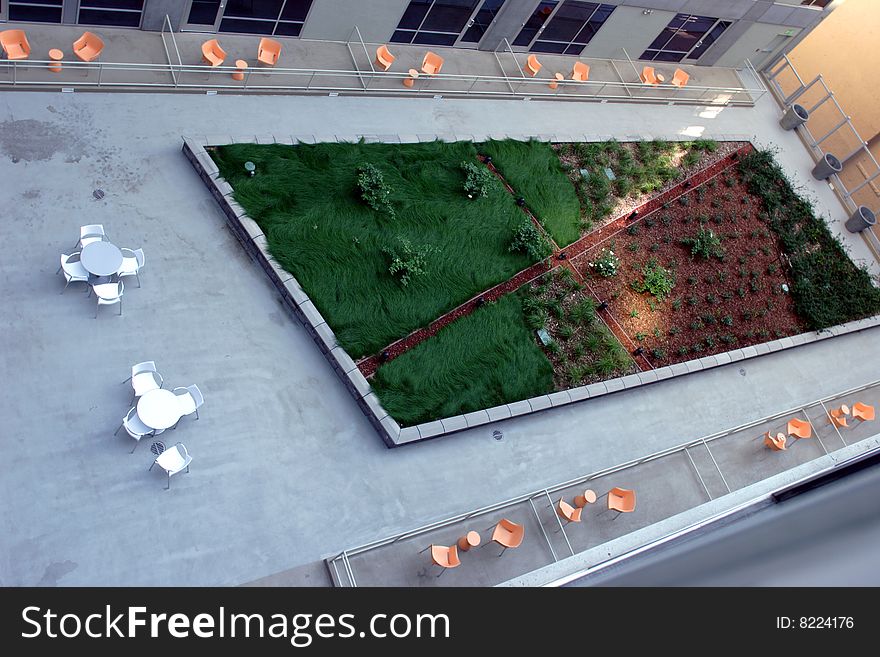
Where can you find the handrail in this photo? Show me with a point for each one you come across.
(550, 490)
(167, 21)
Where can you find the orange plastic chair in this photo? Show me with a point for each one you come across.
(799, 428)
(88, 47)
(432, 63)
(532, 65)
(837, 416)
(508, 534)
(568, 513)
(648, 76)
(580, 72)
(621, 500)
(384, 59)
(680, 78)
(445, 557)
(862, 411)
(15, 44)
(268, 52)
(212, 53)
(776, 443)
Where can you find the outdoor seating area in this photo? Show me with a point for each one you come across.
(569, 518)
(101, 265)
(157, 410)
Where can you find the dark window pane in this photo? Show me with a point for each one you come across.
(482, 20)
(54, 3)
(111, 4)
(402, 36)
(678, 21)
(574, 49)
(449, 15)
(709, 39)
(253, 9)
(585, 35)
(548, 46)
(662, 39)
(569, 20)
(649, 54)
(534, 22)
(665, 56)
(35, 14)
(203, 12)
(296, 10)
(288, 29)
(435, 38)
(601, 15)
(107, 17)
(246, 27)
(414, 14)
(683, 41)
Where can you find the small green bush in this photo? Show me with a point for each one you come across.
(407, 262)
(529, 240)
(656, 280)
(705, 244)
(374, 191)
(607, 264)
(478, 180)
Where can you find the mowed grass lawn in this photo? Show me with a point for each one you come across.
(307, 203)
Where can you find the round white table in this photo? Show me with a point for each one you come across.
(158, 409)
(101, 258)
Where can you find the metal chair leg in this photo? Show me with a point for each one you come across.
(136, 443)
(442, 572)
(425, 550)
(151, 466)
(138, 277)
(503, 550)
(117, 430)
(120, 307)
(197, 414)
(168, 487)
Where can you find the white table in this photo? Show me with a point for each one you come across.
(101, 258)
(159, 409)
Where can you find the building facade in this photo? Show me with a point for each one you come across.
(704, 32)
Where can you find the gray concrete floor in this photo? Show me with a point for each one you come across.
(286, 469)
(321, 64)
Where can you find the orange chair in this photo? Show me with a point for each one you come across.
(680, 78)
(15, 44)
(837, 416)
(532, 65)
(268, 52)
(445, 557)
(507, 534)
(776, 443)
(621, 500)
(432, 63)
(212, 53)
(384, 59)
(862, 411)
(648, 76)
(88, 47)
(580, 72)
(799, 428)
(568, 513)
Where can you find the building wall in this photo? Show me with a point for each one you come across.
(627, 27)
(334, 19)
(752, 42)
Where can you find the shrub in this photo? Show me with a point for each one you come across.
(529, 240)
(374, 191)
(407, 262)
(583, 312)
(478, 180)
(691, 158)
(632, 247)
(649, 222)
(727, 320)
(658, 354)
(683, 351)
(676, 304)
(607, 264)
(705, 244)
(633, 230)
(684, 200)
(656, 280)
(728, 338)
(566, 331)
(710, 342)
(674, 330)
(666, 220)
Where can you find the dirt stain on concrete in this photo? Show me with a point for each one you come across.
(33, 141)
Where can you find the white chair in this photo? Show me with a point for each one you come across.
(144, 378)
(189, 398)
(132, 261)
(73, 270)
(91, 233)
(173, 460)
(108, 294)
(136, 428)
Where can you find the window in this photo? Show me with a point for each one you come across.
(35, 11)
(816, 3)
(119, 13)
(435, 22)
(686, 37)
(282, 17)
(482, 20)
(535, 22)
(572, 27)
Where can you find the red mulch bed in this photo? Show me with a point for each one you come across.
(688, 319)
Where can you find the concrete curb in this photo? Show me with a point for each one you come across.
(299, 304)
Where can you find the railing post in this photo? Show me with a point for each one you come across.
(100, 72)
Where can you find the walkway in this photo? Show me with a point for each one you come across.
(279, 434)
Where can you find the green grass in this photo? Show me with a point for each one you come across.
(305, 199)
(482, 360)
(533, 170)
(827, 287)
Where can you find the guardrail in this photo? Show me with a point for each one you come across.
(341, 563)
(362, 79)
(788, 87)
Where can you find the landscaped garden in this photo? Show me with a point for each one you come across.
(387, 239)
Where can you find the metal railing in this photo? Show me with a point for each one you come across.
(341, 563)
(788, 87)
(362, 79)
